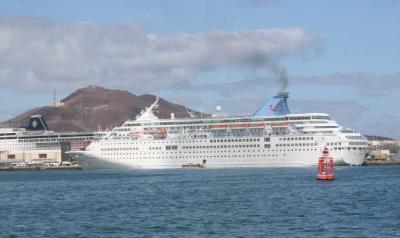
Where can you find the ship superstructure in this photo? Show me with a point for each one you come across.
(271, 137)
(16, 143)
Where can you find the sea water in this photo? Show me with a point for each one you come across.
(269, 202)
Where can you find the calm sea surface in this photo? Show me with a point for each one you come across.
(272, 202)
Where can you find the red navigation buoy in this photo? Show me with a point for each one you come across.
(325, 166)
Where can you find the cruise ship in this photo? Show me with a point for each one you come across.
(19, 144)
(271, 137)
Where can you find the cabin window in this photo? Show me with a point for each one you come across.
(321, 117)
(171, 147)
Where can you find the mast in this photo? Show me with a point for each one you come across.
(148, 114)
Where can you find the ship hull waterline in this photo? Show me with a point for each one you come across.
(90, 161)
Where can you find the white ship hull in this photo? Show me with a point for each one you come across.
(341, 158)
(256, 156)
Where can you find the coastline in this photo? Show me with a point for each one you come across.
(32, 168)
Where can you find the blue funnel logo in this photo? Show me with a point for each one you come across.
(277, 105)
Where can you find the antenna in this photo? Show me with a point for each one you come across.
(147, 112)
(54, 97)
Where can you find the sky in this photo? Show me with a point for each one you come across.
(340, 57)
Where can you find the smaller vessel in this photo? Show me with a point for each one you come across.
(195, 166)
(325, 166)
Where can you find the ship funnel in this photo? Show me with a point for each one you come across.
(277, 105)
(37, 122)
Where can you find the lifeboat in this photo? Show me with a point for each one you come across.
(219, 126)
(193, 166)
(158, 131)
(238, 126)
(279, 124)
(136, 133)
(257, 125)
(246, 125)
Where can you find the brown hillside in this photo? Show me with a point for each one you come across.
(93, 108)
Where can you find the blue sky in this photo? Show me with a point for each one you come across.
(342, 57)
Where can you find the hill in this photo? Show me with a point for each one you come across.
(93, 108)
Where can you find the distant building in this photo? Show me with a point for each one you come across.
(376, 143)
(33, 157)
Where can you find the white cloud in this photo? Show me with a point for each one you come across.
(37, 54)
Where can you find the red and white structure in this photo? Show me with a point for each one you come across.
(325, 166)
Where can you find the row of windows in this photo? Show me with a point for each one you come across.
(7, 134)
(155, 148)
(215, 153)
(355, 137)
(295, 138)
(357, 143)
(169, 153)
(150, 142)
(296, 144)
(203, 157)
(236, 140)
(119, 149)
(334, 143)
(219, 146)
(184, 141)
(122, 129)
(349, 148)
(321, 117)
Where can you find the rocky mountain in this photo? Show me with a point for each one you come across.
(93, 108)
